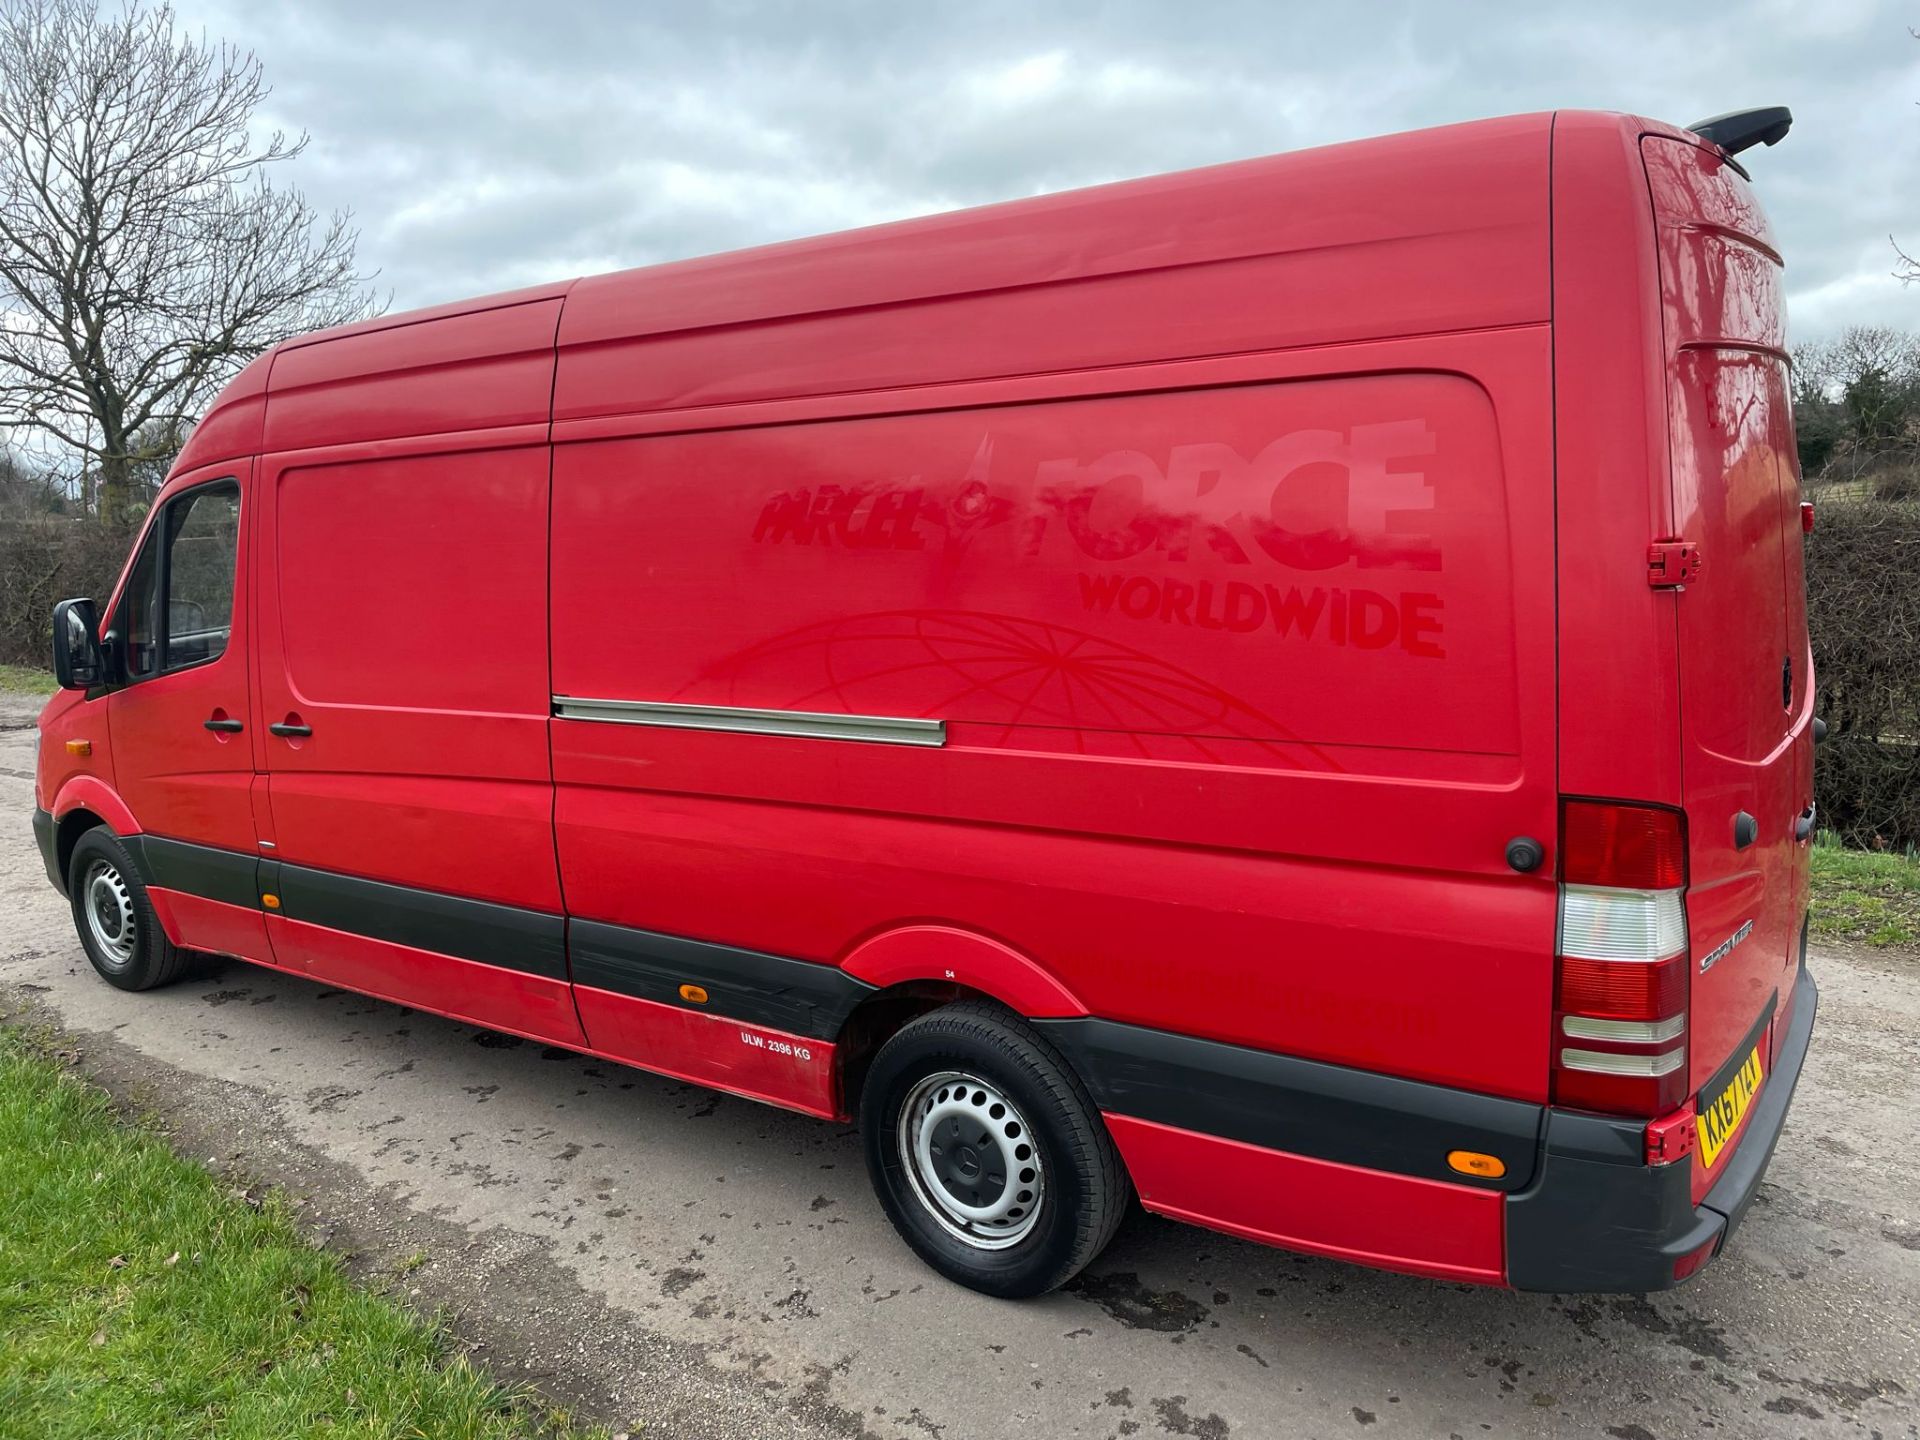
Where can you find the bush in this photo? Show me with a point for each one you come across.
(46, 558)
(1863, 608)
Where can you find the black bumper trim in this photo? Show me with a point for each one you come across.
(1306, 1107)
(1733, 1192)
(44, 837)
(1600, 1219)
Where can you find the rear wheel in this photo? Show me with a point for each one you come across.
(987, 1153)
(118, 929)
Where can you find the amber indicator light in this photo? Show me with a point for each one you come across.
(1472, 1162)
(79, 747)
(272, 902)
(693, 994)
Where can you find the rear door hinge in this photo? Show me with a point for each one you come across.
(1672, 564)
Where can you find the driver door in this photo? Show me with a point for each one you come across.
(180, 721)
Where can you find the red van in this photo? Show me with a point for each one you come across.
(1282, 689)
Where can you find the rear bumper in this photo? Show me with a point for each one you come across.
(49, 856)
(1599, 1218)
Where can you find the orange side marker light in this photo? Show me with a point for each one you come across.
(79, 747)
(272, 902)
(693, 994)
(1472, 1162)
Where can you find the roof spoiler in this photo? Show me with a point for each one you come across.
(1739, 130)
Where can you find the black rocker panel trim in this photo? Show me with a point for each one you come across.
(202, 870)
(797, 996)
(503, 935)
(1305, 1107)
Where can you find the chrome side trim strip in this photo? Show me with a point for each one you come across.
(882, 729)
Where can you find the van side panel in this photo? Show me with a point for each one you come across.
(1269, 810)
(402, 610)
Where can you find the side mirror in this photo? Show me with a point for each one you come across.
(77, 660)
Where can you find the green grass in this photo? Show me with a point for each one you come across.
(140, 1297)
(1865, 895)
(25, 680)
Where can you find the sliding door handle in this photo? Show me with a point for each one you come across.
(289, 729)
(224, 726)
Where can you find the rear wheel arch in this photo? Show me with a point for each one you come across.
(934, 953)
(921, 967)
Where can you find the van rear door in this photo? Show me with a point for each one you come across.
(1745, 687)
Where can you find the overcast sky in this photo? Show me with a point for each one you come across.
(487, 145)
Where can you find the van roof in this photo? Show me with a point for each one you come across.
(1484, 178)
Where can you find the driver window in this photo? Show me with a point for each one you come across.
(185, 574)
(203, 534)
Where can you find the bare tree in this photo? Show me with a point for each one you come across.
(145, 255)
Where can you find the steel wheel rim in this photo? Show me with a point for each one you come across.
(108, 903)
(972, 1160)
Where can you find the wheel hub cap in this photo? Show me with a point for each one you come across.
(971, 1160)
(109, 910)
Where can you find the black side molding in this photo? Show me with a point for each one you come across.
(202, 870)
(1307, 1107)
(797, 996)
(479, 930)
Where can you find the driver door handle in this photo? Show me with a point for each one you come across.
(1803, 827)
(225, 727)
(285, 728)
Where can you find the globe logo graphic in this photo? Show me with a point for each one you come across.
(1000, 671)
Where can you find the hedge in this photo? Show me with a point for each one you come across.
(1863, 607)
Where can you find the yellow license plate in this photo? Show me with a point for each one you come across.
(1719, 1118)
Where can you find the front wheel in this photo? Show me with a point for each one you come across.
(118, 929)
(987, 1154)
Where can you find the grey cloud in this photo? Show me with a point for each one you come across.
(488, 145)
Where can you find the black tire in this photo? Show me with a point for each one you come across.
(1082, 1188)
(102, 874)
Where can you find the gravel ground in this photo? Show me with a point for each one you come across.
(651, 1252)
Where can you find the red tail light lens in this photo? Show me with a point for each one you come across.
(1628, 847)
(1623, 990)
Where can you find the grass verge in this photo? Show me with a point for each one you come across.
(25, 680)
(139, 1296)
(1864, 895)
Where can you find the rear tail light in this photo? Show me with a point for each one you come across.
(1621, 976)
